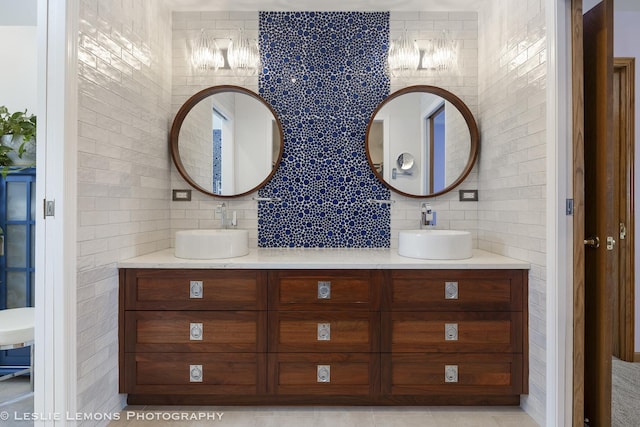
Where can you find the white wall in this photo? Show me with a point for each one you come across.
(625, 38)
(18, 51)
(124, 89)
(403, 125)
(512, 167)
(21, 13)
(253, 145)
(18, 73)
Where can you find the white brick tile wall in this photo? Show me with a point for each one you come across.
(124, 87)
(512, 167)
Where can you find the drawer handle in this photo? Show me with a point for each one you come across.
(450, 373)
(450, 290)
(324, 290)
(195, 289)
(324, 331)
(195, 331)
(451, 332)
(195, 373)
(324, 373)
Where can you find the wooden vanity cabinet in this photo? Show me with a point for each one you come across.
(187, 333)
(455, 336)
(381, 337)
(324, 334)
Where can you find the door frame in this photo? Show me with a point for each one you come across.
(55, 352)
(559, 232)
(625, 309)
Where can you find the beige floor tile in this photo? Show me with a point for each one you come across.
(239, 416)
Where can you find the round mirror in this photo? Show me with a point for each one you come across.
(226, 141)
(432, 124)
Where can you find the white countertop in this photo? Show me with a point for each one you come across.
(298, 258)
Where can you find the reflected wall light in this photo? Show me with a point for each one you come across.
(205, 54)
(404, 56)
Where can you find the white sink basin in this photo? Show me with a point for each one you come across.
(210, 244)
(435, 244)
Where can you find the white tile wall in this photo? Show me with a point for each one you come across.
(512, 167)
(405, 213)
(123, 172)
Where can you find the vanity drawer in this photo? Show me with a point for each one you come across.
(324, 290)
(453, 290)
(335, 374)
(324, 332)
(194, 289)
(195, 373)
(451, 374)
(197, 331)
(452, 332)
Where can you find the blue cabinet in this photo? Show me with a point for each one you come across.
(17, 263)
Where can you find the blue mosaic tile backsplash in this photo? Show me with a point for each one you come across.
(324, 74)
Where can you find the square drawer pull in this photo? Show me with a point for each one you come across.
(450, 290)
(195, 289)
(195, 373)
(324, 373)
(451, 332)
(195, 331)
(450, 373)
(324, 290)
(324, 331)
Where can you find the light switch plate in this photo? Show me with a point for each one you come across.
(468, 195)
(181, 195)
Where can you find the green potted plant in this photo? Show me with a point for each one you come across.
(18, 138)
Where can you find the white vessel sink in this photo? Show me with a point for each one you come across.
(435, 244)
(211, 244)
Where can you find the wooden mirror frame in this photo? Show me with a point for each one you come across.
(182, 114)
(466, 114)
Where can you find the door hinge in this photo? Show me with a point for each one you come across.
(569, 207)
(49, 208)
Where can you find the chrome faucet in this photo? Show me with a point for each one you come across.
(428, 217)
(225, 221)
(222, 210)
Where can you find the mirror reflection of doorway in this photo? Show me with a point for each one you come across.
(437, 152)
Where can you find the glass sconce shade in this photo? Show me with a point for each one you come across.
(205, 54)
(243, 55)
(441, 54)
(404, 55)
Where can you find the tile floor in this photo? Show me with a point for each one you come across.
(239, 416)
(15, 398)
(134, 416)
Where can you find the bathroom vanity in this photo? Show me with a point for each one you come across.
(334, 326)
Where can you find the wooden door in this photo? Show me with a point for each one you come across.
(601, 211)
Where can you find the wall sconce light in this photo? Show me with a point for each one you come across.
(243, 55)
(404, 55)
(441, 54)
(205, 54)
